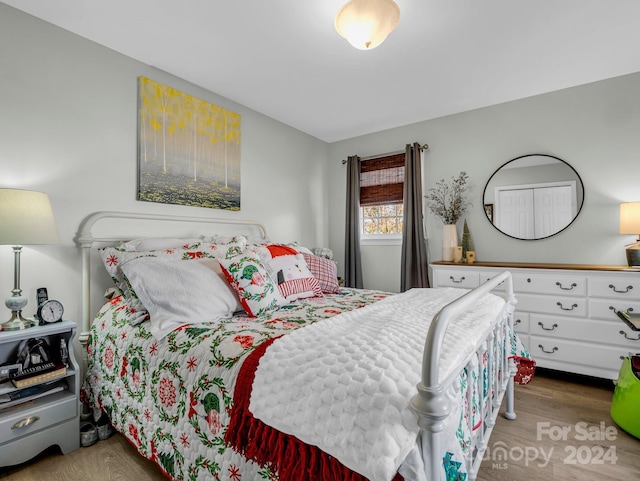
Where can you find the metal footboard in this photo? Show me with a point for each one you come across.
(433, 403)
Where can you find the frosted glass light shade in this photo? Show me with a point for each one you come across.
(630, 218)
(26, 218)
(366, 23)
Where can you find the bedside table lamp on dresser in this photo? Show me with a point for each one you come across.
(26, 218)
(630, 224)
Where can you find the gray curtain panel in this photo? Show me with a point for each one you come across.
(414, 270)
(352, 261)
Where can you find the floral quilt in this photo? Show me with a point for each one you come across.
(172, 398)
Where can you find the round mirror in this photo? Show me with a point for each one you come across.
(533, 197)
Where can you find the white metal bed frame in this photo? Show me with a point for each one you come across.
(431, 403)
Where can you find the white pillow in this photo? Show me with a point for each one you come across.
(177, 293)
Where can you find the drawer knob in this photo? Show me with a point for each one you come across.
(517, 321)
(548, 352)
(457, 282)
(547, 328)
(573, 306)
(611, 286)
(23, 423)
(570, 288)
(630, 338)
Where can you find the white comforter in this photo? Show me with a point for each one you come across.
(344, 384)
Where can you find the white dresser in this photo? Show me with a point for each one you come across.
(566, 313)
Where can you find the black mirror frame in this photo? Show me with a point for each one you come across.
(488, 208)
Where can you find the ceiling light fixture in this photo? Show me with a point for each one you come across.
(366, 23)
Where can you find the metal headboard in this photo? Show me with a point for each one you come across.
(86, 240)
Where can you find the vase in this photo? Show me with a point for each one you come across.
(449, 241)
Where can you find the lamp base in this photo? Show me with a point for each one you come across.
(633, 255)
(17, 322)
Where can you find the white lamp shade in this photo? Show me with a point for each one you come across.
(26, 218)
(630, 218)
(366, 23)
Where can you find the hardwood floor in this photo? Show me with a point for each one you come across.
(535, 446)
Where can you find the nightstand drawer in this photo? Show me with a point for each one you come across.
(541, 284)
(615, 288)
(39, 414)
(466, 279)
(556, 305)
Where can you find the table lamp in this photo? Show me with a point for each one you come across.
(26, 218)
(630, 224)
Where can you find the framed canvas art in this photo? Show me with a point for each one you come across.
(188, 149)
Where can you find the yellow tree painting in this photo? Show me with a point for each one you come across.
(188, 149)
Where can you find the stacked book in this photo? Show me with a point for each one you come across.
(32, 383)
(37, 374)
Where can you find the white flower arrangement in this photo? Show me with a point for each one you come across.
(449, 202)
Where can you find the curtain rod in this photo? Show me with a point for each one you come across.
(377, 156)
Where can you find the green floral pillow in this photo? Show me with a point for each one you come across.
(257, 291)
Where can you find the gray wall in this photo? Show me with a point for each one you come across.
(68, 127)
(594, 127)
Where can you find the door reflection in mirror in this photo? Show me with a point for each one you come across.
(534, 196)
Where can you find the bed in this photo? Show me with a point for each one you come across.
(301, 379)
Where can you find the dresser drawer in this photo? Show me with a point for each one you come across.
(557, 305)
(467, 279)
(606, 308)
(521, 322)
(47, 411)
(598, 332)
(615, 288)
(488, 275)
(550, 284)
(574, 352)
(524, 338)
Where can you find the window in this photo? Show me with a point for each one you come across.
(381, 190)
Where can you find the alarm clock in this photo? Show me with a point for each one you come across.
(50, 311)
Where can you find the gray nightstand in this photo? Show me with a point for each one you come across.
(52, 419)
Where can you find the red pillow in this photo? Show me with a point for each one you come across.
(325, 270)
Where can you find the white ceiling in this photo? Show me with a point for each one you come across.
(283, 58)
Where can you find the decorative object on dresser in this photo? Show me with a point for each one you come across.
(26, 218)
(457, 254)
(630, 224)
(449, 241)
(566, 313)
(449, 202)
(467, 242)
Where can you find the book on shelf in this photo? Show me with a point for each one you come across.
(32, 392)
(29, 377)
